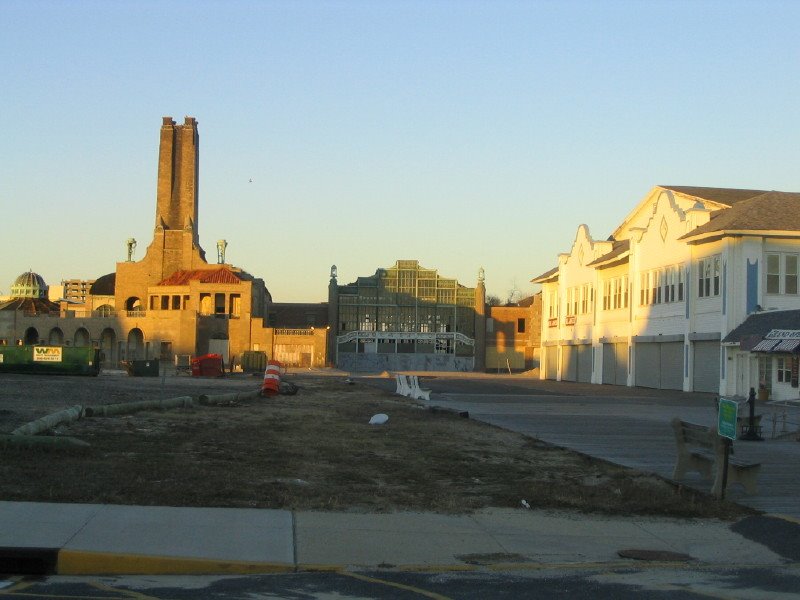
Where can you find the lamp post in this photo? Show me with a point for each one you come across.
(752, 431)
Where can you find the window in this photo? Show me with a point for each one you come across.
(784, 369)
(790, 279)
(552, 305)
(773, 273)
(708, 277)
(782, 273)
(661, 286)
(580, 300)
(520, 325)
(615, 293)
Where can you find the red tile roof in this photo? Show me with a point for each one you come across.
(215, 275)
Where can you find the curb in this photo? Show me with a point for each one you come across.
(78, 562)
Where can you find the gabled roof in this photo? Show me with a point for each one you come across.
(727, 196)
(770, 211)
(217, 275)
(619, 251)
(550, 275)
(759, 324)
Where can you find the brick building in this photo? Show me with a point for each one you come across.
(172, 301)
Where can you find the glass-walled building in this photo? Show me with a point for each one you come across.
(406, 317)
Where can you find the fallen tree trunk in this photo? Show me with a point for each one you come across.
(222, 399)
(41, 441)
(128, 408)
(49, 421)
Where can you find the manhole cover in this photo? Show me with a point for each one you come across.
(657, 555)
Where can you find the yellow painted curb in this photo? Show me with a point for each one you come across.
(784, 518)
(76, 562)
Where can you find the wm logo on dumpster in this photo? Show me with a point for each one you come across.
(46, 354)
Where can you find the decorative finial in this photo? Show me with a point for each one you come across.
(481, 275)
(131, 248)
(333, 272)
(221, 245)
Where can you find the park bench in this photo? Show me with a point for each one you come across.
(408, 385)
(700, 449)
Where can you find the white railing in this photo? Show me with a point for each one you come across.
(409, 336)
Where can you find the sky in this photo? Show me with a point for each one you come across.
(463, 134)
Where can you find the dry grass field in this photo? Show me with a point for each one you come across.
(314, 450)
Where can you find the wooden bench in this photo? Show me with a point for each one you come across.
(700, 449)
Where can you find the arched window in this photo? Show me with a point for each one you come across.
(81, 338)
(56, 337)
(135, 349)
(31, 336)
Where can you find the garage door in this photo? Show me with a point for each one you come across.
(706, 367)
(648, 363)
(615, 363)
(569, 363)
(660, 365)
(671, 366)
(584, 363)
(551, 359)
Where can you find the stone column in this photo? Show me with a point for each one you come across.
(333, 317)
(480, 324)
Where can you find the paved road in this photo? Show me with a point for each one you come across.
(776, 583)
(628, 426)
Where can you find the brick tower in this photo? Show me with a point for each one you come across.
(178, 164)
(176, 244)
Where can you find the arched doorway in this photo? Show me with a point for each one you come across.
(133, 303)
(135, 348)
(56, 337)
(31, 336)
(105, 310)
(81, 338)
(108, 339)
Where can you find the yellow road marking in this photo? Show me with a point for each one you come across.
(127, 593)
(399, 586)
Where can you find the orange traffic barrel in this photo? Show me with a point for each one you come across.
(272, 379)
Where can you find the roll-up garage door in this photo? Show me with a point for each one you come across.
(551, 368)
(648, 363)
(660, 365)
(584, 363)
(569, 363)
(706, 367)
(671, 365)
(615, 363)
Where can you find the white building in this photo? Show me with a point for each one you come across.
(650, 305)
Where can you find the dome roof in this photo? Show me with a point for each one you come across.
(104, 285)
(29, 285)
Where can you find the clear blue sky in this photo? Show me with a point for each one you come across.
(462, 134)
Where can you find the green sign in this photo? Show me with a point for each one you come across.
(726, 423)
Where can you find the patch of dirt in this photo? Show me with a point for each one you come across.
(314, 450)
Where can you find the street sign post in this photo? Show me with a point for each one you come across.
(726, 429)
(726, 422)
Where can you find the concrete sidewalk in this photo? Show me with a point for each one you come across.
(82, 539)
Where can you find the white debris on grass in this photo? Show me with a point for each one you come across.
(378, 419)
